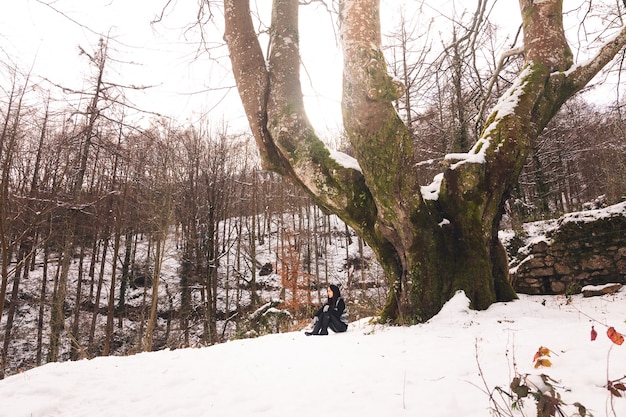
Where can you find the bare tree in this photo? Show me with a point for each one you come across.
(57, 320)
(161, 207)
(579, 158)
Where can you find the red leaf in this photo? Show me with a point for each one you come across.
(594, 334)
(615, 336)
(542, 351)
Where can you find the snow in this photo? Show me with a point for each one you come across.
(444, 367)
(597, 287)
(593, 215)
(509, 100)
(461, 158)
(539, 231)
(345, 160)
(431, 191)
(505, 106)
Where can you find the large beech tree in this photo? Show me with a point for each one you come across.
(431, 240)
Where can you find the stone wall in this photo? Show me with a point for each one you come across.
(585, 248)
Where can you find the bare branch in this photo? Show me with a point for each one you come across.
(496, 74)
(582, 74)
(67, 17)
(159, 18)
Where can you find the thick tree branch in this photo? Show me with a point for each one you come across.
(331, 183)
(273, 102)
(379, 137)
(486, 173)
(580, 75)
(544, 37)
(250, 74)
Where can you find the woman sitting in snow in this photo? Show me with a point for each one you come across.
(331, 315)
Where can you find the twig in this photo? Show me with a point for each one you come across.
(497, 407)
(496, 73)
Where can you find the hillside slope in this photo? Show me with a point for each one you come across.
(441, 368)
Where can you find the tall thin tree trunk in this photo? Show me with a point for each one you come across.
(111, 303)
(252, 241)
(12, 307)
(8, 140)
(159, 250)
(96, 301)
(125, 276)
(76, 349)
(95, 251)
(42, 308)
(57, 317)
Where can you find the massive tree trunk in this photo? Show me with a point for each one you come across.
(431, 240)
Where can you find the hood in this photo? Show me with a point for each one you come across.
(336, 292)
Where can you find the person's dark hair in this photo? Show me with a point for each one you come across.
(336, 294)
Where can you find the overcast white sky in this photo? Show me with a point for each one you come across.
(166, 54)
(162, 55)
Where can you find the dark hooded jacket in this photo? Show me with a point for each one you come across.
(337, 307)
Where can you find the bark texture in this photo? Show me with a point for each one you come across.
(432, 241)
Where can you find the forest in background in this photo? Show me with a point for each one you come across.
(95, 206)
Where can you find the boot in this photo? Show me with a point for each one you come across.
(316, 328)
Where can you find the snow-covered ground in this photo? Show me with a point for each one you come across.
(365, 293)
(448, 367)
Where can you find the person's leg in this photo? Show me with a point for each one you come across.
(316, 327)
(337, 325)
(324, 320)
(321, 326)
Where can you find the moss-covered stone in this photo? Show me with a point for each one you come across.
(581, 251)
